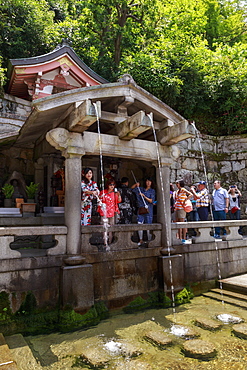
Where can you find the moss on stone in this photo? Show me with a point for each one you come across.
(138, 304)
(154, 300)
(184, 296)
(5, 310)
(29, 305)
(29, 320)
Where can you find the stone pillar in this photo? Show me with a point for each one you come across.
(72, 147)
(39, 172)
(163, 204)
(72, 210)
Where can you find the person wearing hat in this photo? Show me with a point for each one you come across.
(202, 200)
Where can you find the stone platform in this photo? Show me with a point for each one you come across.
(236, 283)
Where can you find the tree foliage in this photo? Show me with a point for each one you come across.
(189, 53)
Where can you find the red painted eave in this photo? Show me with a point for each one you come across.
(66, 67)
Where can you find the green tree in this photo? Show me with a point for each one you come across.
(24, 28)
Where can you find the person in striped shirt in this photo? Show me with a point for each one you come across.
(202, 200)
(181, 195)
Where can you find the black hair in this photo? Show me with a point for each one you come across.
(171, 187)
(84, 172)
(149, 179)
(180, 182)
(124, 180)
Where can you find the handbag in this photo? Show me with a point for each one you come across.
(143, 210)
(234, 209)
(187, 206)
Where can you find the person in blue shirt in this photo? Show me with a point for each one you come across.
(220, 199)
(145, 199)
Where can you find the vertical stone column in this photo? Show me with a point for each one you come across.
(39, 172)
(163, 204)
(72, 211)
(72, 147)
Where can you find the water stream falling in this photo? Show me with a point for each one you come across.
(150, 116)
(103, 205)
(211, 211)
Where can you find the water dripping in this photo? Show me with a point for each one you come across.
(103, 205)
(150, 116)
(211, 211)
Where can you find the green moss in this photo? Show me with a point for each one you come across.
(29, 320)
(138, 304)
(101, 310)
(5, 310)
(70, 320)
(167, 302)
(158, 300)
(29, 305)
(184, 296)
(154, 300)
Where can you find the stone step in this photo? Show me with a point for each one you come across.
(235, 284)
(226, 299)
(21, 353)
(230, 293)
(7, 361)
(234, 287)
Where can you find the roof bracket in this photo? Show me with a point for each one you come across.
(133, 126)
(84, 116)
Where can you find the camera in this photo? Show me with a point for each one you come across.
(233, 186)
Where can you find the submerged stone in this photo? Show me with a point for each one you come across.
(240, 330)
(94, 353)
(134, 365)
(158, 338)
(208, 324)
(183, 331)
(130, 350)
(229, 319)
(199, 349)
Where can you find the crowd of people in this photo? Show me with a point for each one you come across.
(220, 203)
(118, 204)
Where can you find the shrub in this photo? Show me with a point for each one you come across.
(31, 190)
(8, 190)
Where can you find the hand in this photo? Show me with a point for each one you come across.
(226, 209)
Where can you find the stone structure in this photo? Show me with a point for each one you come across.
(225, 159)
(59, 129)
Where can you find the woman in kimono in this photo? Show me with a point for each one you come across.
(89, 191)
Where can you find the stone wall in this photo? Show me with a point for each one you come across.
(13, 114)
(225, 159)
(200, 260)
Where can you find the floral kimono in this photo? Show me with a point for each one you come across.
(86, 201)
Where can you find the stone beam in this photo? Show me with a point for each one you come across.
(135, 149)
(83, 116)
(133, 126)
(116, 118)
(173, 134)
(69, 143)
